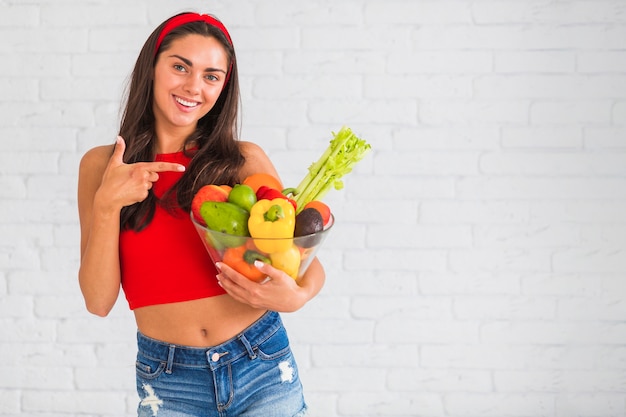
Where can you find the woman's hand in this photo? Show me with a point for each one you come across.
(278, 292)
(125, 184)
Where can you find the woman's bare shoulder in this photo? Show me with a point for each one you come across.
(256, 159)
(96, 157)
(93, 164)
(251, 149)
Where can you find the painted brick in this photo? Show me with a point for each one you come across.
(447, 138)
(618, 113)
(369, 283)
(330, 62)
(359, 355)
(27, 329)
(43, 40)
(31, 378)
(425, 163)
(80, 88)
(498, 404)
(526, 236)
(439, 381)
(314, 14)
(24, 90)
(516, 37)
(423, 86)
(42, 355)
(23, 163)
(539, 188)
(358, 111)
(426, 331)
(589, 259)
(10, 402)
(590, 404)
(604, 137)
(445, 283)
(290, 87)
(601, 62)
(65, 402)
(379, 37)
(356, 380)
(421, 236)
(392, 404)
(491, 12)
(473, 112)
(422, 308)
(441, 62)
(35, 65)
(423, 12)
(552, 332)
(19, 16)
(571, 112)
(499, 259)
(549, 86)
(543, 137)
(558, 381)
(511, 308)
(474, 212)
(93, 15)
(521, 62)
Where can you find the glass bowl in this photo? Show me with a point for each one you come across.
(291, 255)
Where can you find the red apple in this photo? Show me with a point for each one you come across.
(209, 192)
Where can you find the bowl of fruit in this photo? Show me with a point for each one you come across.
(239, 226)
(258, 220)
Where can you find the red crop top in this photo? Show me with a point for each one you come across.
(166, 262)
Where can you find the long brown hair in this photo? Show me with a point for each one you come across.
(218, 158)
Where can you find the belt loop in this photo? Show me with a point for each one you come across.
(245, 342)
(170, 359)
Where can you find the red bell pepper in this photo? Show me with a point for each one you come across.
(266, 193)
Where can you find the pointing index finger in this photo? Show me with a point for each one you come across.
(164, 166)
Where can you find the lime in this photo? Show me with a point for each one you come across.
(243, 196)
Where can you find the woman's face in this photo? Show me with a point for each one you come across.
(188, 79)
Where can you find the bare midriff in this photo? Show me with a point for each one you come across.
(199, 323)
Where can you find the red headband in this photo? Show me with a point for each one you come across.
(185, 18)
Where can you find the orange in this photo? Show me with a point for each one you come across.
(255, 181)
(322, 208)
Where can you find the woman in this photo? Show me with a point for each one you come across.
(209, 341)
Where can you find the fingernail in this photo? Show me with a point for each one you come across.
(258, 263)
(218, 265)
(181, 168)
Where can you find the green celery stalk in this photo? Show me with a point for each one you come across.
(343, 152)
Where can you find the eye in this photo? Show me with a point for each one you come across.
(179, 67)
(211, 77)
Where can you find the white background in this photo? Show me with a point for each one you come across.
(478, 262)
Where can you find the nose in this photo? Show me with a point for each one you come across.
(193, 83)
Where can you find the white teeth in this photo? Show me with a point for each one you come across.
(186, 103)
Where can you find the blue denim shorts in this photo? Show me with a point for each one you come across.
(252, 375)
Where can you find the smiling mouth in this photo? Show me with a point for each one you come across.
(186, 103)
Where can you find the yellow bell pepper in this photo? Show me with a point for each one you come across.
(271, 224)
(288, 261)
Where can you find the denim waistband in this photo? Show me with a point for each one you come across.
(215, 356)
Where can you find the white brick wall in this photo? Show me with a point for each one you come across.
(479, 261)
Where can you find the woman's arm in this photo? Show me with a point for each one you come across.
(99, 273)
(105, 185)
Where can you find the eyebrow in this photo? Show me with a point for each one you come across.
(189, 63)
